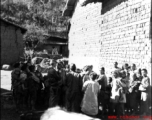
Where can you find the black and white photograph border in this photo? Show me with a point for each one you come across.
(76, 59)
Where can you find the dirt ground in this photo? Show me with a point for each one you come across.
(8, 111)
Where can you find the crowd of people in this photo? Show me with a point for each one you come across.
(81, 91)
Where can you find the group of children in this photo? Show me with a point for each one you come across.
(125, 92)
(130, 90)
(27, 82)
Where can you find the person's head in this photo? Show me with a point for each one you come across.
(24, 67)
(88, 69)
(144, 72)
(102, 70)
(123, 74)
(16, 65)
(67, 67)
(116, 74)
(133, 67)
(17, 68)
(32, 68)
(78, 70)
(93, 76)
(115, 64)
(73, 67)
(122, 68)
(126, 66)
(109, 80)
(138, 72)
(59, 66)
(53, 63)
(91, 67)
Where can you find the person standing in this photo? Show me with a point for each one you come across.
(117, 93)
(116, 68)
(133, 90)
(108, 93)
(54, 51)
(54, 84)
(102, 80)
(139, 79)
(91, 90)
(61, 71)
(123, 89)
(15, 82)
(144, 86)
(126, 69)
(22, 91)
(41, 88)
(73, 83)
(33, 82)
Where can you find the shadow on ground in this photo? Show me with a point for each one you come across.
(8, 111)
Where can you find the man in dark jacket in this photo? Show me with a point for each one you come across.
(54, 84)
(73, 83)
(33, 85)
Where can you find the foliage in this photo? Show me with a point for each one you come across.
(40, 17)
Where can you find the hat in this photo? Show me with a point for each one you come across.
(102, 68)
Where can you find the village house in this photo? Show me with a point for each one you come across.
(11, 42)
(54, 43)
(105, 31)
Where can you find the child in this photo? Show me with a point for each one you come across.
(15, 75)
(145, 83)
(90, 100)
(118, 96)
(15, 79)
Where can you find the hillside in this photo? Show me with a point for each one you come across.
(40, 17)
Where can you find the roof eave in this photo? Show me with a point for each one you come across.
(23, 30)
(55, 43)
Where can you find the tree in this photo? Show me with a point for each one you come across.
(40, 17)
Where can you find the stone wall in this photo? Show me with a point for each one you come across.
(101, 34)
(11, 44)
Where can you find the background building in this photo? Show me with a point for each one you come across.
(105, 31)
(11, 42)
(61, 44)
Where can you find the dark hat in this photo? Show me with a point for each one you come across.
(102, 68)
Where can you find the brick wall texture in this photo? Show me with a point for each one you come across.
(121, 33)
(11, 44)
